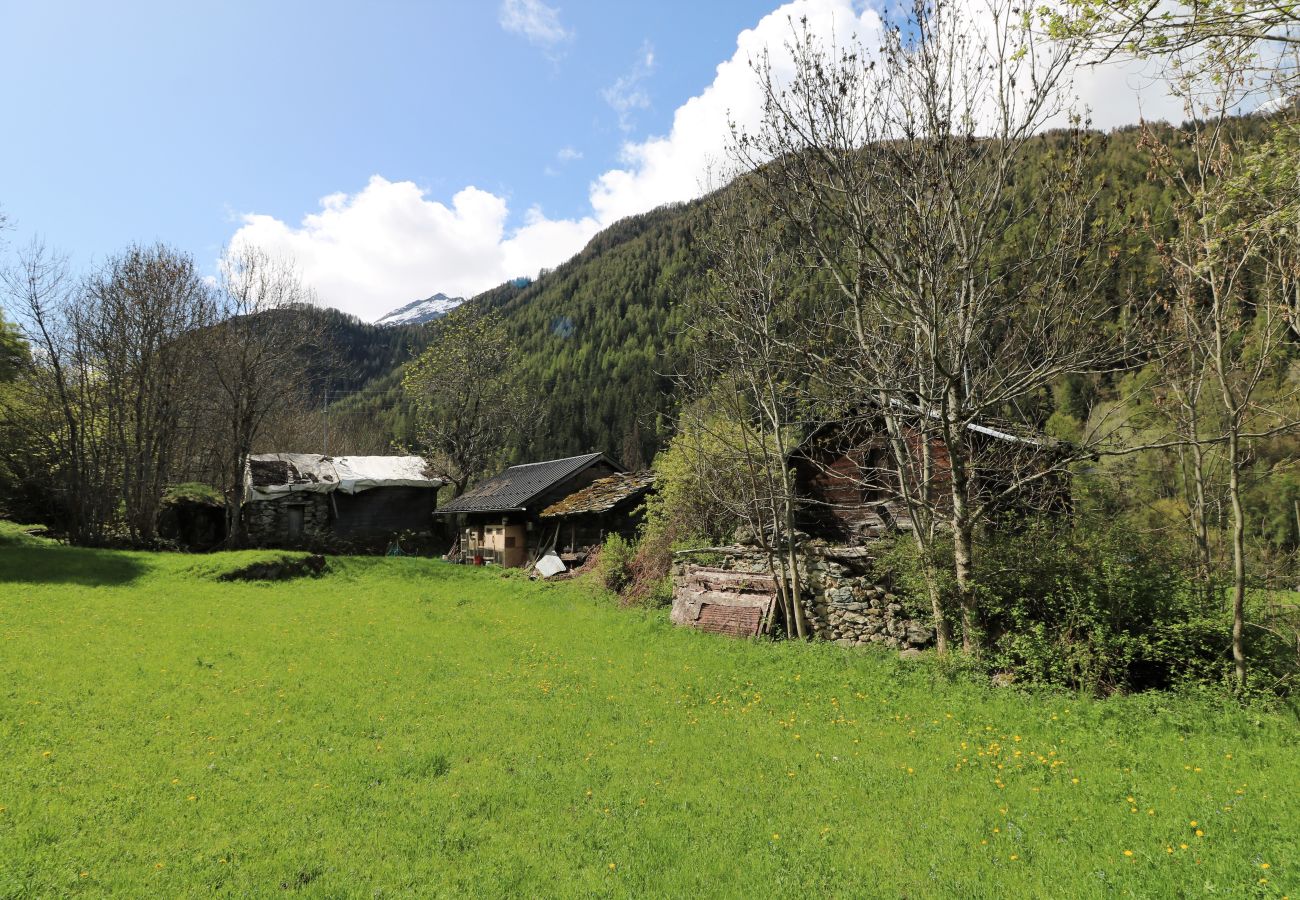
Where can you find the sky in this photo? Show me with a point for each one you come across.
(393, 149)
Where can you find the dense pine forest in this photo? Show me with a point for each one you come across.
(603, 335)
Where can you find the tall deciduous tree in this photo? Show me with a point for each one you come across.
(472, 405)
(744, 357)
(140, 319)
(255, 362)
(949, 304)
(1231, 274)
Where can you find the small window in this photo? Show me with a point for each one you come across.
(510, 542)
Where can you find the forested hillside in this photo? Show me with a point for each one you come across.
(603, 334)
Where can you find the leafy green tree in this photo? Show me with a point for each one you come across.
(472, 403)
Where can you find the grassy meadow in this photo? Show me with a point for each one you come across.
(404, 727)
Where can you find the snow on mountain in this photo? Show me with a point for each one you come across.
(420, 311)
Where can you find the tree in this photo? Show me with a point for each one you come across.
(61, 408)
(743, 358)
(139, 320)
(471, 404)
(1232, 269)
(255, 362)
(14, 352)
(949, 301)
(1190, 32)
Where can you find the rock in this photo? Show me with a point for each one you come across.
(917, 633)
(845, 642)
(1003, 679)
(909, 653)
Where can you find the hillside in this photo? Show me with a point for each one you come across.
(602, 333)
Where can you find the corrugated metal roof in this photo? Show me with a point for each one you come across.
(517, 485)
(601, 495)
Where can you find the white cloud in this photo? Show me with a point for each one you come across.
(390, 243)
(626, 95)
(568, 154)
(533, 20)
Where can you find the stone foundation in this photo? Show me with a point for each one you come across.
(266, 522)
(844, 600)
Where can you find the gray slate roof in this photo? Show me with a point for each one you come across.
(517, 485)
(602, 495)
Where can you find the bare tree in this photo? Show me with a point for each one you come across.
(1232, 285)
(744, 358)
(951, 303)
(255, 362)
(140, 321)
(64, 401)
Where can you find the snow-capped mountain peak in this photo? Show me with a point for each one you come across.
(418, 312)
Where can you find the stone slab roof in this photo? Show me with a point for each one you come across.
(602, 495)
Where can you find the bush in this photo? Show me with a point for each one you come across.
(1098, 609)
(614, 564)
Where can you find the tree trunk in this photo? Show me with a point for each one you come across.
(1238, 558)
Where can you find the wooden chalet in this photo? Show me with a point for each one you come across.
(611, 505)
(502, 516)
(847, 476)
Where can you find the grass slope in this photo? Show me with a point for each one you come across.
(405, 727)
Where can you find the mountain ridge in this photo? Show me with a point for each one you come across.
(419, 312)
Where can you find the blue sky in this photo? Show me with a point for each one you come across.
(394, 148)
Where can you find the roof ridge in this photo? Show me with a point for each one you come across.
(549, 462)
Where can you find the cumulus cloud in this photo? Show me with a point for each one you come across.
(391, 242)
(534, 21)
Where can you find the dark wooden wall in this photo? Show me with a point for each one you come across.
(385, 510)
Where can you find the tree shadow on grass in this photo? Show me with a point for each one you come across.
(27, 562)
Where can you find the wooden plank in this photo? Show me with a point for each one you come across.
(742, 580)
(729, 599)
(734, 621)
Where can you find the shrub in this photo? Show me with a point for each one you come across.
(614, 564)
(1099, 609)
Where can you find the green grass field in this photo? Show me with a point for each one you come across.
(404, 727)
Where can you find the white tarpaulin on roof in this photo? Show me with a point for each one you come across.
(270, 475)
(358, 473)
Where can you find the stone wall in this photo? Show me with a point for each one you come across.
(844, 600)
(266, 522)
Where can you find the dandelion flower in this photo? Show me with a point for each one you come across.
(1128, 852)
(612, 867)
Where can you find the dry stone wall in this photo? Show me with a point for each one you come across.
(266, 522)
(844, 600)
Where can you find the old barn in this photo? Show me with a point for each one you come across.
(611, 505)
(293, 499)
(847, 474)
(502, 516)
